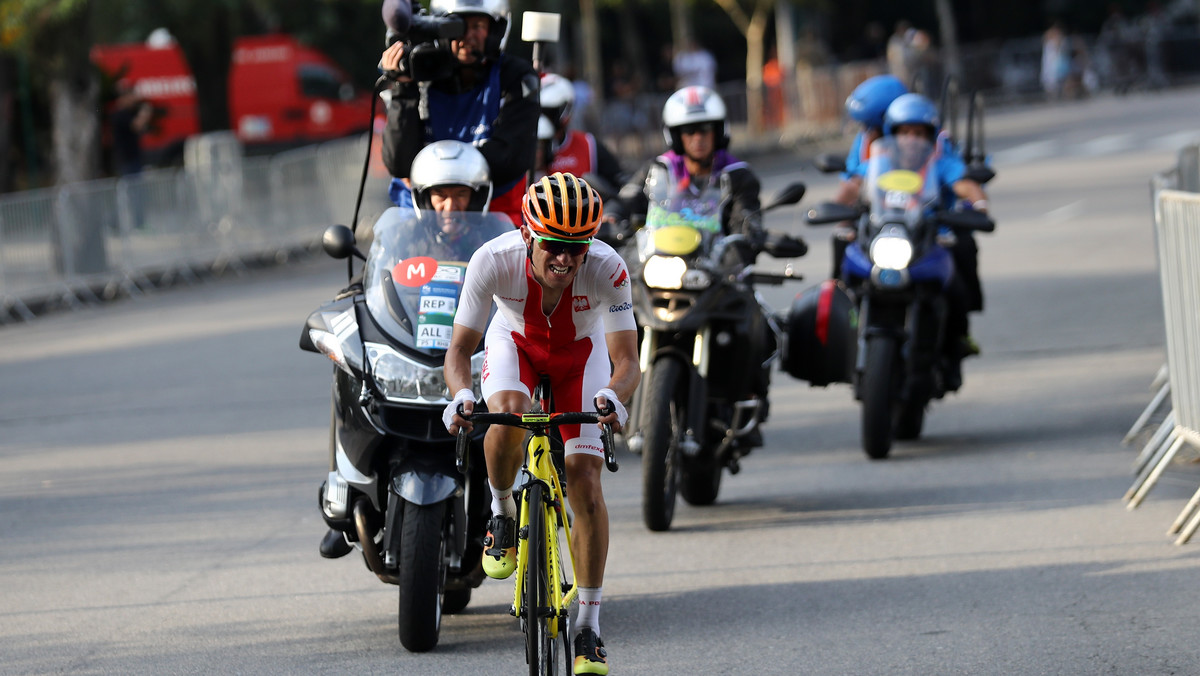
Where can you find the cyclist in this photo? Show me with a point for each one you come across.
(865, 105)
(449, 177)
(913, 119)
(565, 310)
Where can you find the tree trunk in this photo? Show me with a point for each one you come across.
(592, 70)
(8, 109)
(949, 32)
(755, 34)
(209, 52)
(74, 94)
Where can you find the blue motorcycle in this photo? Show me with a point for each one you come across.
(899, 270)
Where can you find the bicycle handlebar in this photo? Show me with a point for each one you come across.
(552, 420)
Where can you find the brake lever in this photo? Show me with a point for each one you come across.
(462, 446)
(606, 435)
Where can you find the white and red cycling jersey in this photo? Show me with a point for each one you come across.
(569, 344)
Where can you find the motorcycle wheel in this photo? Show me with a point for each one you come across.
(909, 420)
(422, 575)
(700, 480)
(455, 600)
(877, 397)
(663, 426)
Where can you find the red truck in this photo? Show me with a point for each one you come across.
(280, 92)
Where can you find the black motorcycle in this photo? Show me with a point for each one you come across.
(707, 345)
(899, 271)
(397, 489)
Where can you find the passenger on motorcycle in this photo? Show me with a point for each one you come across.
(564, 310)
(703, 179)
(450, 179)
(490, 100)
(913, 120)
(573, 151)
(865, 105)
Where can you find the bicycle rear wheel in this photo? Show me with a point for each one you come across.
(541, 651)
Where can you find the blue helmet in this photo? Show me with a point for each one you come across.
(870, 99)
(911, 109)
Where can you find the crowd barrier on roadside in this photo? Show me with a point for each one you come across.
(75, 243)
(1176, 199)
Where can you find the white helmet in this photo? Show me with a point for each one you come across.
(691, 105)
(450, 163)
(545, 128)
(497, 9)
(557, 98)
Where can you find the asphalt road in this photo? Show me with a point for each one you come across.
(159, 463)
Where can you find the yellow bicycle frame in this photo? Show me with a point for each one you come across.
(541, 469)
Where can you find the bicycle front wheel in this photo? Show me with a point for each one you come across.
(541, 651)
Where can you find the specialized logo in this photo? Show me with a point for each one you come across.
(621, 308)
(580, 303)
(622, 278)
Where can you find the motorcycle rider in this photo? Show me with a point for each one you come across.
(565, 310)
(914, 121)
(449, 178)
(490, 100)
(573, 151)
(698, 168)
(865, 105)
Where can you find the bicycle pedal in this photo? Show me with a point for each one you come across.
(523, 534)
(512, 610)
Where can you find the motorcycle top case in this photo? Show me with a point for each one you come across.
(822, 335)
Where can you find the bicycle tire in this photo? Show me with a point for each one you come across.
(540, 648)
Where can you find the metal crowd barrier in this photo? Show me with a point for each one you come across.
(1177, 231)
(75, 244)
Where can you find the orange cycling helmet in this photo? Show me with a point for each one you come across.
(562, 206)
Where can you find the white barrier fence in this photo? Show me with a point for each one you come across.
(71, 244)
(1177, 231)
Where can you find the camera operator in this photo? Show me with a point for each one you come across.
(462, 88)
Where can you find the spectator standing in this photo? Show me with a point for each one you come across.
(1056, 60)
(130, 118)
(899, 52)
(1154, 28)
(694, 66)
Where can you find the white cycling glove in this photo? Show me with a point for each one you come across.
(622, 414)
(462, 396)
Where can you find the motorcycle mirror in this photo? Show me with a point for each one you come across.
(828, 163)
(784, 246)
(980, 173)
(831, 212)
(790, 195)
(967, 220)
(338, 242)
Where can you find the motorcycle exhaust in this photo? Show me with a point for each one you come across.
(366, 538)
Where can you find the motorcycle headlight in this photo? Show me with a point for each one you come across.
(893, 252)
(664, 272)
(401, 379)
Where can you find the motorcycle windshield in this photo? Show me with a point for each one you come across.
(902, 178)
(682, 223)
(415, 270)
